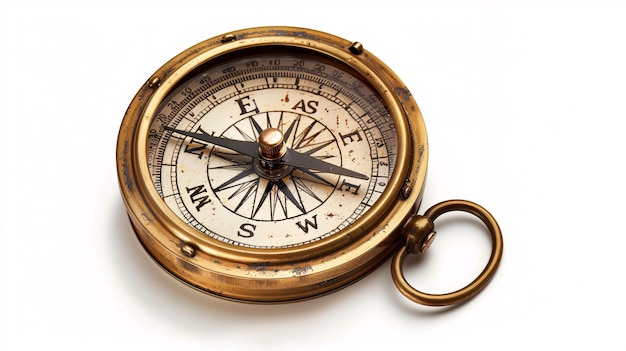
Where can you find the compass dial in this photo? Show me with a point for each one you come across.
(272, 150)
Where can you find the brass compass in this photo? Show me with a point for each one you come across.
(279, 164)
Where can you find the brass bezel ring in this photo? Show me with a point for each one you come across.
(330, 47)
(475, 286)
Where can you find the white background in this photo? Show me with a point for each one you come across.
(524, 105)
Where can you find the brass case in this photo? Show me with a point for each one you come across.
(284, 274)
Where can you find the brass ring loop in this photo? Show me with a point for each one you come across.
(475, 286)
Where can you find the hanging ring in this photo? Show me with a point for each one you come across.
(419, 233)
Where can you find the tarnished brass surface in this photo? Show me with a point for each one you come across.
(282, 274)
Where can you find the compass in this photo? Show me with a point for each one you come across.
(280, 164)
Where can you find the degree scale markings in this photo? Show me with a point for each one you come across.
(202, 99)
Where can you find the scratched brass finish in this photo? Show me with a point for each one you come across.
(283, 274)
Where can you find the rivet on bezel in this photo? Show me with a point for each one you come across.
(228, 38)
(154, 83)
(188, 250)
(356, 48)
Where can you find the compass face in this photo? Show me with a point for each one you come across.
(207, 162)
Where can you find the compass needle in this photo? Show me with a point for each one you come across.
(292, 158)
